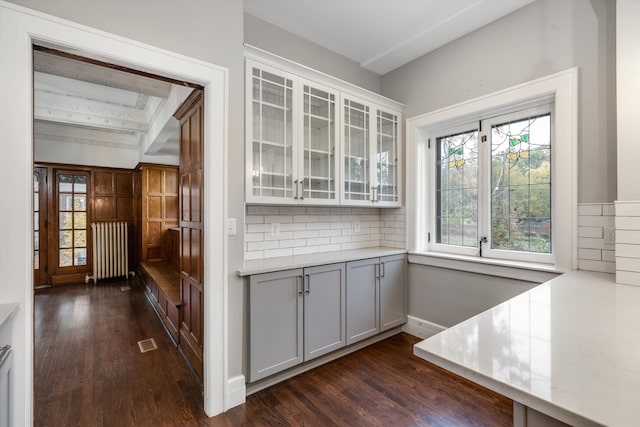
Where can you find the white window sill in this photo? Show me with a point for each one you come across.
(518, 270)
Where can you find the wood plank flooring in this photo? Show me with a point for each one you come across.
(90, 372)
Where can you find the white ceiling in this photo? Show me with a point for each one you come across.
(85, 103)
(381, 35)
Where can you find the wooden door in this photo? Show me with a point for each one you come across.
(69, 259)
(40, 226)
(191, 229)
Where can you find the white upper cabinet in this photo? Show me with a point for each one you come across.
(271, 154)
(309, 141)
(370, 153)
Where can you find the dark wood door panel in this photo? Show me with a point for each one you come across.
(191, 229)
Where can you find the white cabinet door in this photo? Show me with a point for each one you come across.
(319, 139)
(357, 128)
(371, 157)
(324, 309)
(388, 157)
(275, 322)
(271, 156)
(393, 305)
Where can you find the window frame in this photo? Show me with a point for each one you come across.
(561, 90)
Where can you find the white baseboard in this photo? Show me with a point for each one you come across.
(236, 391)
(421, 328)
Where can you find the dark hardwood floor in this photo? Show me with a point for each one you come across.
(90, 372)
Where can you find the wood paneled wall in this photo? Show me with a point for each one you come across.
(158, 209)
(110, 198)
(190, 116)
(112, 195)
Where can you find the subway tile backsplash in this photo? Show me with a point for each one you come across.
(273, 231)
(596, 237)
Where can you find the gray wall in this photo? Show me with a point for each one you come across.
(447, 297)
(542, 38)
(274, 39)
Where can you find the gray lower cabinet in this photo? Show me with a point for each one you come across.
(295, 316)
(376, 296)
(362, 299)
(393, 300)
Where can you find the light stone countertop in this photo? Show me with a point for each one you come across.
(569, 348)
(268, 265)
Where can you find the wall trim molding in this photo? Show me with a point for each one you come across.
(421, 328)
(236, 391)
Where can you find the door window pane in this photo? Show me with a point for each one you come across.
(72, 219)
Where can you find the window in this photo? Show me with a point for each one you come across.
(493, 180)
(492, 194)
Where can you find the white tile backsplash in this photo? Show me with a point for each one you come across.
(628, 242)
(308, 230)
(594, 252)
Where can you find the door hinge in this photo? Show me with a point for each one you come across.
(429, 143)
(484, 138)
(428, 237)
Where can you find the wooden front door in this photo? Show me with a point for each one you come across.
(191, 229)
(40, 226)
(70, 255)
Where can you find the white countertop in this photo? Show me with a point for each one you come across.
(6, 310)
(268, 265)
(569, 348)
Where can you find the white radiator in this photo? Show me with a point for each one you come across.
(110, 251)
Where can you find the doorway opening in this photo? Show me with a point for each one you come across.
(114, 146)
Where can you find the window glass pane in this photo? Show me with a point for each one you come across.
(66, 258)
(36, 221)
(521, 185)
(457, 189)
(79, 238)
(80, 256)
(80, 184)
(66, 221)
(80, 220)
(66, 202)
(80, 203)
(65, 183)
(36, 260)
(36, 240)
(66, 239)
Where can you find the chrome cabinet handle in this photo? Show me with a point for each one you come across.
(307, 286)
(382, 269)
(295, 191)
(299, 285)
(302, 189)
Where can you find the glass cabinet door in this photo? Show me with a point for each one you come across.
(318, 180)
(272, 135)
(357, 151)
(387, 174)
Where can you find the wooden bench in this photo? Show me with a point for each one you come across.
(162, 282)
